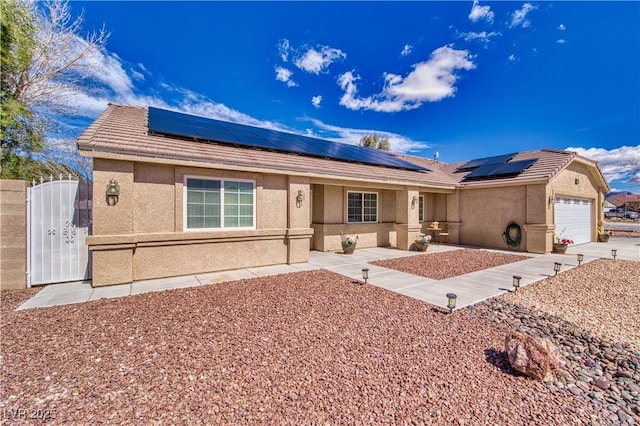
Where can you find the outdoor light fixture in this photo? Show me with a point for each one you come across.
(300, 197)
(414, 201)
(451, 304)
(113, 192)
(577, 181)
(614, 253)
(556, 267)
(365, 275)
(516, 282)
(580, 259)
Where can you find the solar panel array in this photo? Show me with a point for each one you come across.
(206, 129)
(498, 159)
(504, 169)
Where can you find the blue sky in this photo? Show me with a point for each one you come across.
(463, 79)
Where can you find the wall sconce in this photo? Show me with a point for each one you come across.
(580, 259)
(113, 192)
(614, 253)
(299, 197)
(556, 267)
(516, 282)
(414, 201)
(577, 181)
(451, 303)
(365, 275)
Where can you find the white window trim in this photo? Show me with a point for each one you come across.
(222, 227)
(362, 192)
(421, 198)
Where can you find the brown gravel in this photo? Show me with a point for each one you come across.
(303, 348)
(602, 296)
(439, 266)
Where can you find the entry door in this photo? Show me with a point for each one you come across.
(574, 216)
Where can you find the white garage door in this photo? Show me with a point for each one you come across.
(574, 216)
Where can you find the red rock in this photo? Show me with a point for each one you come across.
(534, 356)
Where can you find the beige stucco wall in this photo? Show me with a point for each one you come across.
(13, 234)
(486, 212)
(143, 235)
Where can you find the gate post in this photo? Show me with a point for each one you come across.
(13, 234)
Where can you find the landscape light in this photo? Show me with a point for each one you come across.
(516, 282)
(580, 259)
(365, 274)
(451, 304)
(614, 253)
(556, 267)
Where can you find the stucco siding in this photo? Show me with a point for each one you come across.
(485, 214)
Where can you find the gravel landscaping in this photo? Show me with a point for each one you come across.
(304, 348)
(439, 266)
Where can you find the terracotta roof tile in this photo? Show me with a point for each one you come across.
(123, 130)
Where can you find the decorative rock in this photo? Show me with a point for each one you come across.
(622, 373)
(574, 390)
(624, 417)
(532, 355)
(601, 383)
(626, 395)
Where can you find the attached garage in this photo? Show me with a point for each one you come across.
(573, 219)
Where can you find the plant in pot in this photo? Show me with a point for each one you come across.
(422, 242)
(561, 244)
(348, 243)
(603, 236)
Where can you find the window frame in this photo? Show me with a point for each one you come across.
(362, 207)
(185, 190)
(421, 201)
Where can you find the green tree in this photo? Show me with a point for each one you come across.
(21, 131)
(376, 142)
(44, 60)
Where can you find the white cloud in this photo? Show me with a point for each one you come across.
(398, 143)
(482, 36)
(561, 27)
(316, 60)
(316, 100)
(284, 75)
(284, 47)
(512, 58)
(619, 164)
(519, 17)
(561, 41)
(406, 50)
(430, 81)
(480, 12)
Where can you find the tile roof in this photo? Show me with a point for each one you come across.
(122, 130)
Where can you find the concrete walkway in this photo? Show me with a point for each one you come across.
(470, 288)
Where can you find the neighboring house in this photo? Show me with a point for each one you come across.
(626, 201)
(199, 195)
(608, 206)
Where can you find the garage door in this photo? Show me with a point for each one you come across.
(573, 215)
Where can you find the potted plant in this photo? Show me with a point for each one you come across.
(603, 236)
(348, 243)
(422, 242)
(561, 244)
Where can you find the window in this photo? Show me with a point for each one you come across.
(421, 208)
(362, 207)
(218, 204)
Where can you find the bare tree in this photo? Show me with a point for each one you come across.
(45, 62)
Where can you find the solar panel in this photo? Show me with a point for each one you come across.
(478, 162)
(189, 126)
(494, 170)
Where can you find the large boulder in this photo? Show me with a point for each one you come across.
(534, 356)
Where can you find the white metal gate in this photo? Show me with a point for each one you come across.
(59, 220)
